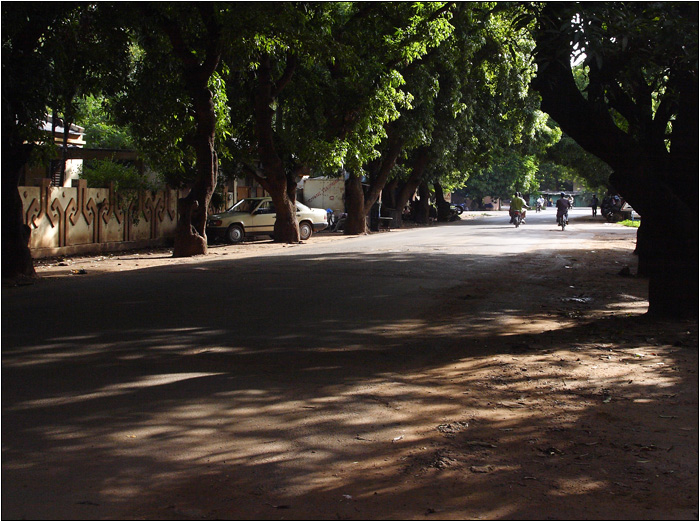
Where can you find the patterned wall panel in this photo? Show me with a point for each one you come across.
(62, 217)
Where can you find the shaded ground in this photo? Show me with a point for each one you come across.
(534, 389)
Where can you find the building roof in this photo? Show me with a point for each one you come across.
(75, 132)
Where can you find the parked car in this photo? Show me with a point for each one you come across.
(256, 216)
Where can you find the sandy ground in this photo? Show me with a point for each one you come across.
(544, 406)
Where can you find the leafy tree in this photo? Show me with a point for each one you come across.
(24, 73)
(319, 86)
(638, 112)
(567, 161)
(171, 104)
(510, 173)
(101, 131)
(102, 173)
(409, 121)
(272, 93)
(471, 99)
(88, 55)
(51, 54)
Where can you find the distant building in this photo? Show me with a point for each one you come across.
(31, 174)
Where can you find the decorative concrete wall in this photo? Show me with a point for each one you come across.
(79, 220)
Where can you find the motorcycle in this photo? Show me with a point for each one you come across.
(338, 223)
(517, 218)
(562, 220)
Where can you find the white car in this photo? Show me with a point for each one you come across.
(256, 216)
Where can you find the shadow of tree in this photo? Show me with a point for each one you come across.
(353, 386)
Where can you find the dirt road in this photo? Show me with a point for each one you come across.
(466, 371)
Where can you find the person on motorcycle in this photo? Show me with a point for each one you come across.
(540, 203)
(563, 206)
(518, 204)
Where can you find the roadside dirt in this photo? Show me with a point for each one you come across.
(564, 402)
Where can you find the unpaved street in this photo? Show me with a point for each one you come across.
(461, 371)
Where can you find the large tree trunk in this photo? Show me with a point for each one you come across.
(378, 181)
(190, 232)
(275, 180)
(16, 256)
(282, 189)
(356, 222)
(420, 162)
(667, 242)
(389, 194)
(357, 214)
(443, 207)
(18, 113)
(423, 204)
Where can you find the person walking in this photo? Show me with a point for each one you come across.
(594, 205)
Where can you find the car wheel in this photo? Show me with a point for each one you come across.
(305, 230)
(234, 234)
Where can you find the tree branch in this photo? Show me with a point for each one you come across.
(214, 41)
(254, 172)
(286, 77)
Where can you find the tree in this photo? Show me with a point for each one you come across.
(319, 86)
(89, 55)
(407, 89)
(50, 55)
(482, 108)
(566, 161)
(510, 173)
(195, 37)
(638, 113)
(267, 109)
(101, 131)
(23, 110)
(470, 98)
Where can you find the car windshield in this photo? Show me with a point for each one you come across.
(244, 205)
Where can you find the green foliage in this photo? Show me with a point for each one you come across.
(52, 56)
(571, 162)
(154, 102)
(348, 81)
(106, 136)
(100, 130)
(451, 77)
(471, 98)
(88, 54)
(630, 223)
(151, 105)
(101, 173)
(512, 173)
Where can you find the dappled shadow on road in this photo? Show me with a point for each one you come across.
(266, 397)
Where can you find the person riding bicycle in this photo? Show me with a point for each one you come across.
(563, 206)
(518, 204)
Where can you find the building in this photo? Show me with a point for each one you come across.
(33, 174)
